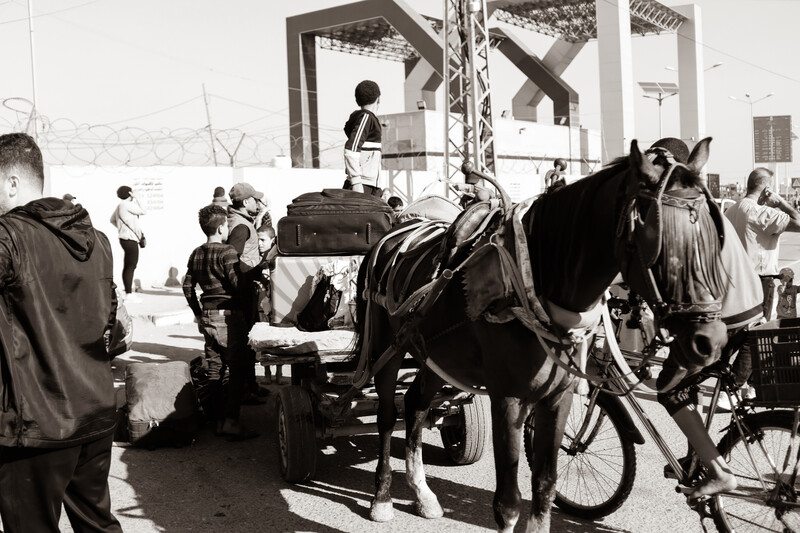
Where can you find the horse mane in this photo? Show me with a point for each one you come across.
(558, 217)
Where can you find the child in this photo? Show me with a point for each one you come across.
(268, 249)
(396, 203)
(362, 151)
(215, 267)
(787, 294)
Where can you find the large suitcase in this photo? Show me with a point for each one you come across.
(333, 222)
(161, 404)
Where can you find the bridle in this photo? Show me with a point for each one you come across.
(639, 234)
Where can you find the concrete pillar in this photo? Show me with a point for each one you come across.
(691, 76)
(421, 84)
(303, 112)
(616, 77)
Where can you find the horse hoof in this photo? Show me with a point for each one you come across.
(381, 512)
(429, 508)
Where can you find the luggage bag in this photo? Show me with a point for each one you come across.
(333, 222)
(161, 404)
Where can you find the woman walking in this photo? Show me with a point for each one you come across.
(126, 219)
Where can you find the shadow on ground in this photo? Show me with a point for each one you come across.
(215, 485)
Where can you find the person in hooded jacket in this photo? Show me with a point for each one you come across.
(57, 391)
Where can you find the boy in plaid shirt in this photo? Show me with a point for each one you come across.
(215, 267)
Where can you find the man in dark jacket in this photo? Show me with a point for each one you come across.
(57, 392)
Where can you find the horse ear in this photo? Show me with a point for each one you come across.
(699, 156)
(643, 165)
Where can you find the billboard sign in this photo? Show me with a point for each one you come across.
(772, 139)
(713, 184)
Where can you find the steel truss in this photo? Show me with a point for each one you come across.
(469, 134)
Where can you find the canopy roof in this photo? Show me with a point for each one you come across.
(570, 20)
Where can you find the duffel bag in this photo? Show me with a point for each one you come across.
(161, 404)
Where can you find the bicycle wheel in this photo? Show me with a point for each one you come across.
(595, 475)
(758, 510)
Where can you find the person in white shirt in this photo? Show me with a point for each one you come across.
(126, 219)
(759, 219)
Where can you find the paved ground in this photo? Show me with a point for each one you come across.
(218, 486)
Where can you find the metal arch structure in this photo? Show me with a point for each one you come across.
(391, 30)
(336, 24)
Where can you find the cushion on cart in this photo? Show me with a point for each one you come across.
(291, 341)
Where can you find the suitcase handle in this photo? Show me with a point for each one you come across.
(369, 233)
(297, 235)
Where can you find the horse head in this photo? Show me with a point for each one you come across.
(669, 239)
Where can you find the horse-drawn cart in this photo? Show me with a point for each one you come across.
(322, 402)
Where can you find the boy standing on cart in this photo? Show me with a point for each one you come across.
(215, 267)
(362, 151)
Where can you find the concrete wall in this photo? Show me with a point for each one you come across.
(172, 196)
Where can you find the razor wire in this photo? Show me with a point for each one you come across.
(66, 142)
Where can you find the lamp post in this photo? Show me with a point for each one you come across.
(749, 101)
(660, 92)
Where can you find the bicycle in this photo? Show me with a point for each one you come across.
(597, 459)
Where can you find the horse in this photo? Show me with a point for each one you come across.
(620, 219)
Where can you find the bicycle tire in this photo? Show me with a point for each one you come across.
(594, 482)
(757, 514)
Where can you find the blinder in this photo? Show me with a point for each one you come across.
(640, 234)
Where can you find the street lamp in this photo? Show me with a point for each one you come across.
(662, 92)
(751, 102)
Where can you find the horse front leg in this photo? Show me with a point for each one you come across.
(507, 416)
(418, 399)
(550, 418)
(381, 509)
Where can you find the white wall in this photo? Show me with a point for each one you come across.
(172, 196)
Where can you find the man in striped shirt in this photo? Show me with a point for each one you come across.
(215, 267)
(362, 151)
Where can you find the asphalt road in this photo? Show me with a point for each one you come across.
(220, 486)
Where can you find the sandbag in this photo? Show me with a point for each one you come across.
(161, 404)
(332, 222)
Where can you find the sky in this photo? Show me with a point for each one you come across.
(117, 69)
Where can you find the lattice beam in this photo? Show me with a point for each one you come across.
(576, 20)
(371, 38)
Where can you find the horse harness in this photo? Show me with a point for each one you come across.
(640, 230)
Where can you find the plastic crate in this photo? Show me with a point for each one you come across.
(775, 350)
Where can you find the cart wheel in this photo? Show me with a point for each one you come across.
(465, 441)
(296, 435)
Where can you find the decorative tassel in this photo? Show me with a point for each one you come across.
(691, 243)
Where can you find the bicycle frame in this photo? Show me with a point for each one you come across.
(624, 385)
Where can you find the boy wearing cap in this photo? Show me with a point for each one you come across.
(246, 213)
(787, 294)
(362, 151)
